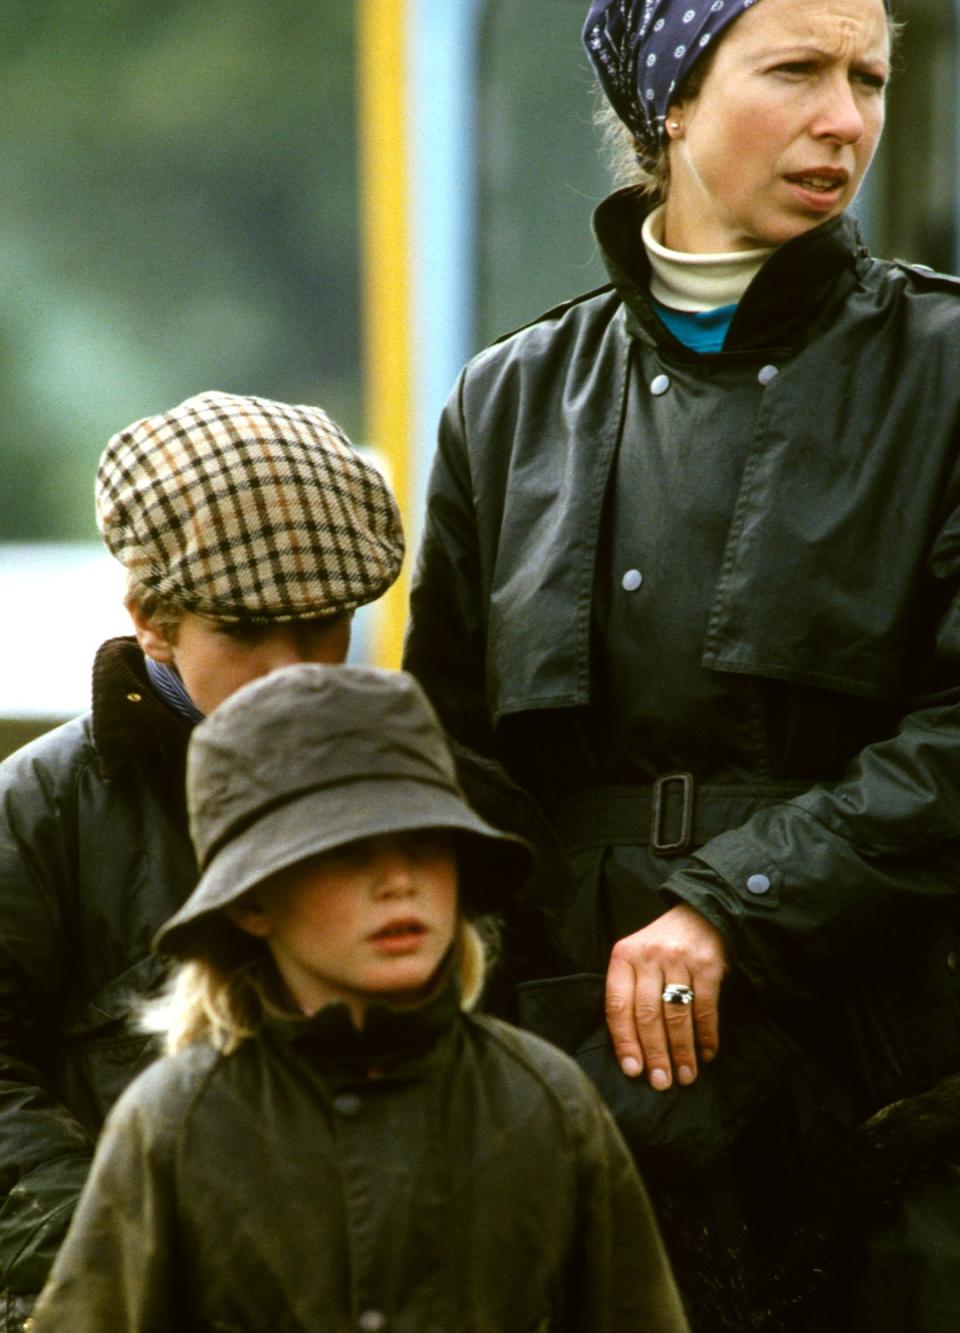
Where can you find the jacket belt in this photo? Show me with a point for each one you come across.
(671, 816)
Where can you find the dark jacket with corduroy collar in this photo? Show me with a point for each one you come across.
(94, 856)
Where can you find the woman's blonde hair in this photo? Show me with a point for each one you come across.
(222, 997)
(633, 162)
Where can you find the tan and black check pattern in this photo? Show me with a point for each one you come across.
(241, 508)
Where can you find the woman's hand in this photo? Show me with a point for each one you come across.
(665, 1040)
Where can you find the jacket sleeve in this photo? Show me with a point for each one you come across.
(802, 883)
(44, 1153)
(622, 1278)
(446, 650)
(446, 639)
(117, 1268)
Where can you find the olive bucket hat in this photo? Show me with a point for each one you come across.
(311, 757)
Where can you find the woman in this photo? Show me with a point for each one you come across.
(690, 577)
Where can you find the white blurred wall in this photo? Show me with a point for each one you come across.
(59, 602)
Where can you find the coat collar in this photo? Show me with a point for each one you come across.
(800, 285)
(129, 720)
(393, 1042)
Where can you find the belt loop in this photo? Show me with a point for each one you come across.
(659, 811)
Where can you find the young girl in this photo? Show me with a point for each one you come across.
(333, 1142)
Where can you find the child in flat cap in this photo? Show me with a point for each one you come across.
(250, 530)
(333, 1142)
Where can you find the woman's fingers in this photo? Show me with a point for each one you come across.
(621, 1013)
(664, 1037)
(664, 1032)
(648, 1036)
(706, 1013)
(679, 1021)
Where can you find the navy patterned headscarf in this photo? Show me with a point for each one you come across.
(642, 50)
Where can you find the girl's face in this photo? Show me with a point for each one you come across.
(368, 920)
(784, 127)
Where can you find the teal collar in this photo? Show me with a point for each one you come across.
(700, 330)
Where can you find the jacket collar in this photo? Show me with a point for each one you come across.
(798, 287)
(129, 720)
(394, 1042)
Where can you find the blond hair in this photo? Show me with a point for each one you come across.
(215, 998)
(630, 162)
(633, 162)
(164, 615)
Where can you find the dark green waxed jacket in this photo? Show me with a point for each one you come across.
(437, 1173)
(807, 621)
(94, 856)
(837, 584)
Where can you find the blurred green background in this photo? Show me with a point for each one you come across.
(180, 212)
(180, 208)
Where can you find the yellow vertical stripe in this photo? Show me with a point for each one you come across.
(381, 35)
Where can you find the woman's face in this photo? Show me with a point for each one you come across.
(784, 127)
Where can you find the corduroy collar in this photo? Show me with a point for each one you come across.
(129, 720)
(798, 286)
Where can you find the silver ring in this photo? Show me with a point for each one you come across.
(677, 994)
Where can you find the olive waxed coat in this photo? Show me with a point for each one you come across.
(94, 856)
(745, 566)
(437, 1173)
(837, 583)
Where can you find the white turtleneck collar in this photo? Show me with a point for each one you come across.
(689, 282)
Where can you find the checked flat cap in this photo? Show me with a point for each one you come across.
(240, 508)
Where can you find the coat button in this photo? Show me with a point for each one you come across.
(372, 1321)
(347, 1103)
(659, 384)
(134, 698)
(767, 373)
(953, 962)
(632, 580)
(758, 884)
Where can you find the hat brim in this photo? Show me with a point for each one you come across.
(492, 865)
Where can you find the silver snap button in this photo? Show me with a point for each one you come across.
(632, 580)
(768, 373)
(372, 1321)
(659, 384)
(758, 884)
(347, 1103)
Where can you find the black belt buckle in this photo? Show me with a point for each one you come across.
(658, 814)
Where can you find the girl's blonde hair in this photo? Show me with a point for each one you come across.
(221, 1000)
